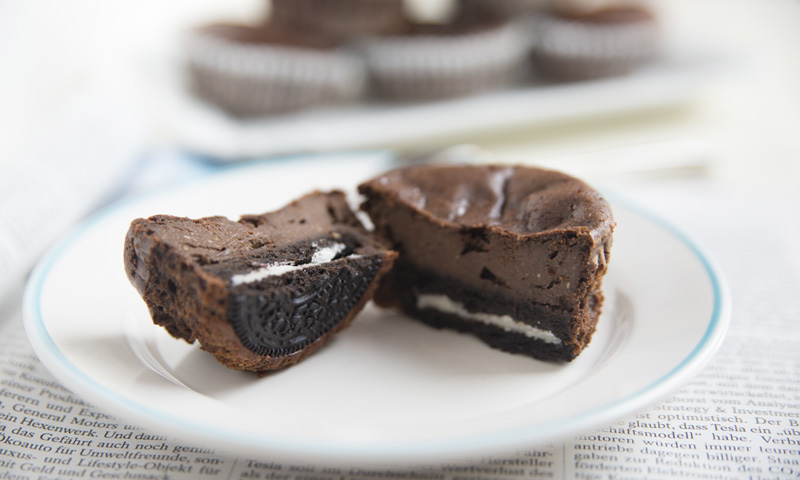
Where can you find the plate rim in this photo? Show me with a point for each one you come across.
(58, 363)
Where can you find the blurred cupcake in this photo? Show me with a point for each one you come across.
(340, 18)
(431, 62)
(576, 44)
(250, 71)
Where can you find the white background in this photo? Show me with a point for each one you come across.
(53, 51)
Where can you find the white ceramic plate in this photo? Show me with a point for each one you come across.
(387, 389)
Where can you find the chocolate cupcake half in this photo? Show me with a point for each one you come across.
(513, 255)
(594, 44)
(439, 61)
(252, 71)
(263, 292)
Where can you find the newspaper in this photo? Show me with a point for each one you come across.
(740, 418)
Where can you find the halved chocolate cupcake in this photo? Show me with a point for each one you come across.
(513, 255)
(263, 292)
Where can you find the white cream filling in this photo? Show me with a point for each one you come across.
(320, 256)
(445, 304)
(325, 255)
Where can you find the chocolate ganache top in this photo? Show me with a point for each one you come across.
(517, 232)
(611, 16)
(521, 200)
(269, 35)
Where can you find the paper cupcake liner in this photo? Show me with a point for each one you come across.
(342, 18)
(429, 67)
(574, 50)
(260, 79)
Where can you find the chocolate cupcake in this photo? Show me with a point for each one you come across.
(438, 61)
(250, 71)
(340, 18)
(604, 42)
